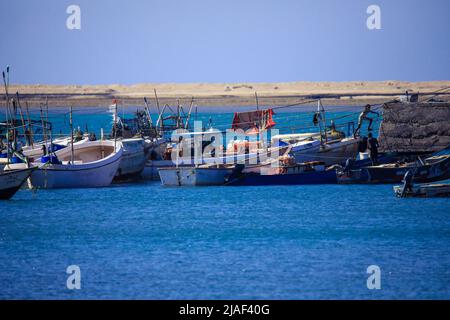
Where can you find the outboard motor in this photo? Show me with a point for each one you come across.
(349, 163)
(236, 173)
(407, 182)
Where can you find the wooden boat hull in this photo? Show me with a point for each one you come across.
(304, 178)
(192, 176)
(11, 181)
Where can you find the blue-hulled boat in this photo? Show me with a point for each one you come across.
(297, 174)
(434, 168)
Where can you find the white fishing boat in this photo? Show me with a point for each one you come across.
(329, 145)
(133, 158)
(330, 152)
(91, 164)
(11, 181)
(37, 149)
(194, 176)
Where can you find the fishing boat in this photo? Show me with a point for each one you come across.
(329, 145)
(211, 171)
(194, 176)
(330, 152)
(91, 164)
(287, 173)
(434, 168)
(11, 181)
(38, 149)
(133, 159)
(423, 190)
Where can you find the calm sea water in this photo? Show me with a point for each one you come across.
(284, 242)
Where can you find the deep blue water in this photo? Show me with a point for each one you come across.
(296, 242)
(280, 242)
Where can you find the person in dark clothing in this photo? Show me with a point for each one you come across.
(362, 145)
(372, 144)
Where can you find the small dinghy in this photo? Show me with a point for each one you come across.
(91, 164)
(423, 190)
(11, 181)
(409, 189)
(435, 168)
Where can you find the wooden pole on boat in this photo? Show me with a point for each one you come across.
(71, 136)
(30, 127)
(115, 125)
(189, 114)
(157, 100)
(159, 111)
(322, 122)
(178, 114)
(46, 122)
(147, 110)
(24, 126)
(6, 83)
(44, 129)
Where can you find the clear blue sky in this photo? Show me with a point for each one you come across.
(138, 41)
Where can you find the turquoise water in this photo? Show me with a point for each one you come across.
(296, 242)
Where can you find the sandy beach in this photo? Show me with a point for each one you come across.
(354, 93)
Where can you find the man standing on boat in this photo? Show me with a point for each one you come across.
(364, 116)
(372, 144)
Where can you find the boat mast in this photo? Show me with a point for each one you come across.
(71, 136)
(24, 126)
(115, 125)
(147, 110)
(159, 111)
(44, 129)
(323, 122)
(189, 114)
(5, 82)
(30, 127)
(51, 135)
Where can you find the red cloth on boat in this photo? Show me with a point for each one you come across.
(253, 119)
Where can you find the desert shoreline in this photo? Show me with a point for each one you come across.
(227, 96)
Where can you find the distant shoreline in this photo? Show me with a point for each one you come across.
(229, 96)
